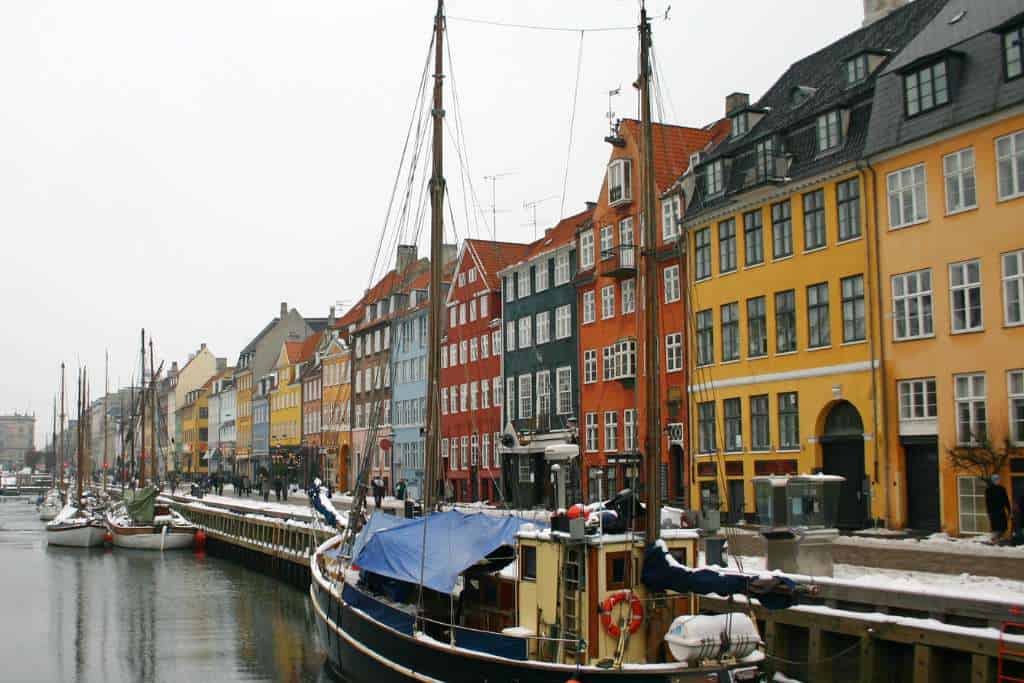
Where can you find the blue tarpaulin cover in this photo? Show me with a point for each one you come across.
(455, 542)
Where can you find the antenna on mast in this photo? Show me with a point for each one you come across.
(533, 206)
(493, 180)
(613, 125)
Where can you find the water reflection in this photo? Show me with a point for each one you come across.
(94, 615)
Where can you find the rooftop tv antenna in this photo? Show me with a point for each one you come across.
(612, 125)
(493, 180)
(533, 206)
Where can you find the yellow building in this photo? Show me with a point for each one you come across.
(286, 401)
(947, 168)
(243, 422)
(784, 370)
(336, 435)
(194, 416)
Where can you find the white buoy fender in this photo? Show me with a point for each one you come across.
(693, 638)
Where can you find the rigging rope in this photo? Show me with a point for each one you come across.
(572, 122)
(536, 27)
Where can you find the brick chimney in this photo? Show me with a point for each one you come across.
(284, 309)
(876, 9)
(330, 317)
(405, 257)
(739, 100)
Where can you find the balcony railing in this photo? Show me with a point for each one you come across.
(619, 261)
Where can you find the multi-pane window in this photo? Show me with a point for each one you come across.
(848, 204)
(829, 131)
(925, 89)
(757, 328)
(706, 427)
(611, 430)
(473, 351)
(961, 192)
(562, 268)
(608, 362)
(464, 398)
(1015, 389)
(587, 249)
(760, 431)
(814, 220)
(782, 230)
(671, 276)
(753, 238)
(912, 304)
(589, 307)
(485, 345)
(1013, 287)
(733, 424)
(740, 125)
(543, 321)
(629, 429)
(523, 282)
(971, 504)
(965, 295)
(496, 341)
(764, 156)
(854, 327)
(670, 228)
(1013, 52)
(474, 393)
(627, 256)
(525, 332)
(705, 338)
(856, 69)
(818, 328)
(510, 399)
(1010, 165)
(444, 400)
(563, 321)
(510, 294)
(525, 396)
(789, 420)
(727, 246)
(540, 277)
(673, 352)
(628, 296)
(485, 393)
(607, 301)
(702, 253)
(485, 451)
(590, 366)
(625, 359)
(591, 432)
(620, 188)
(510, 336)
(713, 178)
(730, 331)
(497, 388)
(785, 321)
(544, 392)
(607, 242)
(971, 409)
(908, 203)
(563, 390)
(917, 399)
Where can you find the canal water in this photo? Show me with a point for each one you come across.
(69, 614)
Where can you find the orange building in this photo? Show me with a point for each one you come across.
(610, 306)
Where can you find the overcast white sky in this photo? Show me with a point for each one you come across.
(187, 166)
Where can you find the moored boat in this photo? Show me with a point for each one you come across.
(51, 505)
(144, 523)
(75, 528)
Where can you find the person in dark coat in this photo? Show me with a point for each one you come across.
(997, 504)
(277, 488)
(1018, 521)
(378, 492)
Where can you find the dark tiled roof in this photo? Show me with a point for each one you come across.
(978, 89)
(251, 346)
(793, 125)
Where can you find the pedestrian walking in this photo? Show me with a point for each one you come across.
(265, 488)
(378, 492)
(400, 489)
(277, 488)
(997, 504)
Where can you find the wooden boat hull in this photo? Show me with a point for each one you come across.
(151, 538)
(76, 536)
(48, 513)
(362, 649)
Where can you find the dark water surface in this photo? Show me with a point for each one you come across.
(69, 614)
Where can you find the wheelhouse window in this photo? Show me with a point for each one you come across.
(619, 184)
(1013, 52)
(829, 131)
(926, 89)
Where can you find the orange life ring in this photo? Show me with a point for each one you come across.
(635, 606)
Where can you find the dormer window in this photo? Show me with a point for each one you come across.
(829, 131)
(926, 88)
(765, 159)
(1013, 52)
(856, 70)
(740, 124)
(713, 181)
(620, 188)
(801, 94)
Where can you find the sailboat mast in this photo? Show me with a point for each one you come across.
(53, 435)
(106, 393)
(62, 384)
(152, 389)
(79, 434)
(652, 356)
(437, 189)
(142, 411)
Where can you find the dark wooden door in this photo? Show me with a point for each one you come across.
(923, 486)
(736, 501)
(845, 457)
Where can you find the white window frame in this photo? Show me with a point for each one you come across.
(510, 336)
(607, 302)
(674, 352)
(474, 393)
(591, 433)
(523, 282)
(607, 244)
(714, 174)
(919, 296)
(1013, 287)
(611, 431)
(541, 276)
(525, 396)
(958, 173)
(963, 290)
(628, 296)
(620, 178)
(1008, 160)
(629, 430)
(913, 396)
(828, 131)
(485, 345)
(485, 393)
(563, 322)
(562, 270)
(485, 451)
(464, 397)
(563, 390)
(974, 520)
(589, 307)
(903, 181)
(496, 389)
(587, 249)
(590, 366)
(670, 210)
(1015, 397)
(972, 399)
(525, 332)
(510, 398)
(473, 351)
(483, 305)
(543, 333)
(510, 289)
(543, 388)
(670, 276)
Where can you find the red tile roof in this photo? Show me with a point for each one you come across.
(494, 256)
(309, 346)
(563, 232)
(293, 350)
(673, 146)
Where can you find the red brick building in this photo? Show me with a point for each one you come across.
(610, 300)
(471, 384)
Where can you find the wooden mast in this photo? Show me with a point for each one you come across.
(142, 412)
(652, 356)
(106, 393)
(53, 438)
(152, 389)
(78, 438)
(62, 384)
(437, 190)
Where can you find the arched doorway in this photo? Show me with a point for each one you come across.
(842, 448)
